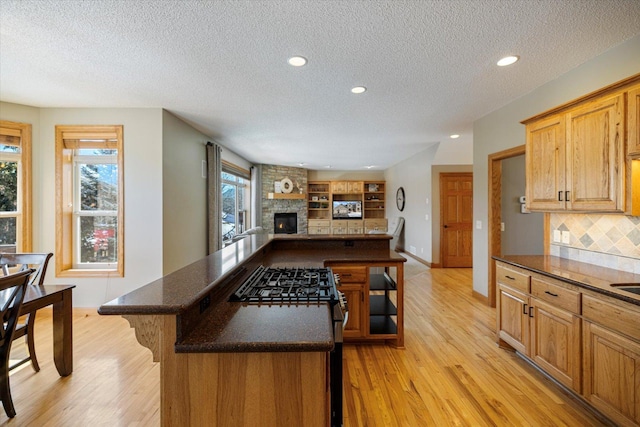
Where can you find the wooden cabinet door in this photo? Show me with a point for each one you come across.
(355, 187)
(612, 374)
(545, 164)
(355, 324)
(633, 120)
(595, 156)
(339, 187)
(513, 318)
(555, 343)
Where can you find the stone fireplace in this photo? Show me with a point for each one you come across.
(270, 207)
(285, 223)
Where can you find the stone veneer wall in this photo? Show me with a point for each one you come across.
(298, 176)
(607, 240)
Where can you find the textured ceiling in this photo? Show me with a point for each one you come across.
(429, 66)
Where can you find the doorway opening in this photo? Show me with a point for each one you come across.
(495, 214)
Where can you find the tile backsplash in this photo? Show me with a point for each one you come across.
(608, 240)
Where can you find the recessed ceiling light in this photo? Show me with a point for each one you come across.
(370, 167)
(301, 164)
(359, 89)
(328, 166)
(508, 60)
(454, 136)
(297, 61)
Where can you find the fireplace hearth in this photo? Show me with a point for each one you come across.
(285, 223)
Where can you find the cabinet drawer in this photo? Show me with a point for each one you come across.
(617, 315)
(353, 274)
(510, 277)
(319, 223)
(319, 230)
(340, 224)
(557, 295)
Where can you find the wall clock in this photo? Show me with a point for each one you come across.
(400, 199)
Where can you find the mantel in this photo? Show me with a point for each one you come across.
(291, 196)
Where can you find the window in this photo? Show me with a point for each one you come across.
(235, 196)
(89, 197)
(15, 187)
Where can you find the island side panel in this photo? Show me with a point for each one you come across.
(242, 389)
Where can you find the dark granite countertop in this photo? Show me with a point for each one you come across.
(226, 326)
(589, 276)
(177, 291)
(240, 327)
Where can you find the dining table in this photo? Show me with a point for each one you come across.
(60, 298)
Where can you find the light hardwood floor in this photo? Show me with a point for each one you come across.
(451, 372)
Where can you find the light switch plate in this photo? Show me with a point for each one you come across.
(557, 236)
(566, 237)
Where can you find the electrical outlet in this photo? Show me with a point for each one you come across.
(479, 225)
(502, 226)
(557, 236)
(566, 237)
(426, 217)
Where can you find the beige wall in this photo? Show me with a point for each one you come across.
(501, 130)
(184, 189)
(333, 175)
(143, 192)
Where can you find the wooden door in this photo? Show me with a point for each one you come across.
(545, 164)
(596, 155)
(456, 217)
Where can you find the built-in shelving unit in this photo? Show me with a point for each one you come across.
(319, 200)
(321, 194)
(374, 194)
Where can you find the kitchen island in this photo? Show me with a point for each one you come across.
(228, 363)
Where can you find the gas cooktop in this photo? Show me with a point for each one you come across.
(290, 285)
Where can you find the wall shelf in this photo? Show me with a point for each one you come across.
(290, 196)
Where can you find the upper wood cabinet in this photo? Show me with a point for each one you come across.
(545, 164)
(633, 120)
(347, 187)
(595, 156)
(575, 155)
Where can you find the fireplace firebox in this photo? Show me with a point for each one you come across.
(285, 223)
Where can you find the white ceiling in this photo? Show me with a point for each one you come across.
(429, 66)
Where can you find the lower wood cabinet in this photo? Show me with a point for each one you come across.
(353, 281)
(555, 343)
(587, 341)
(612, 374)
(374, 293)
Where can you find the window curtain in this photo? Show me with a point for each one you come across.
(214, 196)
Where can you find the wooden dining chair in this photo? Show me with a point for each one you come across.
(18, 262)
(12, 290)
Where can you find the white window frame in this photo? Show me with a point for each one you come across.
(79, 159)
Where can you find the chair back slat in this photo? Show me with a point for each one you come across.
(12, 290)
(22, 261)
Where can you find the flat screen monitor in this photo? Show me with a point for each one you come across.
(347, 209)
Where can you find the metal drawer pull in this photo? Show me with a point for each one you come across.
(531, 311)
(559, 196)
(552, 294)
(524, 309)
(510, 278)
